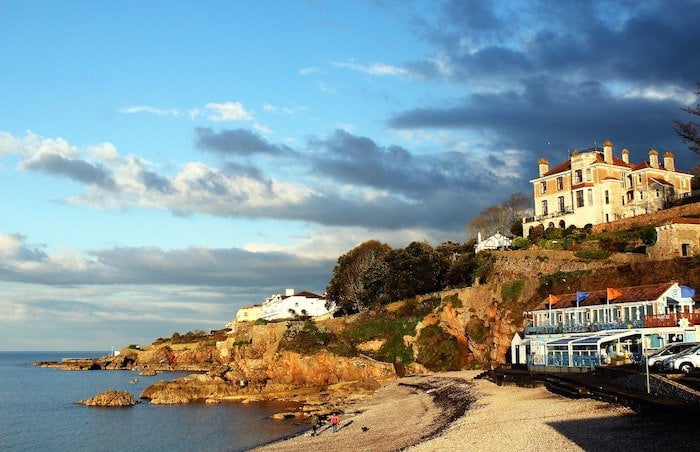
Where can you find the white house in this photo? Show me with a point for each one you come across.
(495, 242)
(293, 304)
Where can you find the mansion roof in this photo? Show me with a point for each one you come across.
(566, 166)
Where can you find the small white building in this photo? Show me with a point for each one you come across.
(292, 304)
(497, 241)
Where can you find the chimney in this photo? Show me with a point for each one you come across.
(607, 151)
(669, 163)
(626, 156)
(289, 292)
(544, 166)
(653, 158)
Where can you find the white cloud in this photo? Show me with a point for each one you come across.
(262, 129)
(375, 69)
(270, 108)
(308, 70)
(227, 111)
(670, 92)
(149, 109)
(325, 88)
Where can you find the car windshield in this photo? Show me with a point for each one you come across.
(689, 351)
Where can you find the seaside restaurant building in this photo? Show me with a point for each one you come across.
(582, 330)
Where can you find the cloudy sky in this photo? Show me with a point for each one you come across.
(163, 163)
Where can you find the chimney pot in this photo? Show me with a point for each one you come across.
(669, 161)
(653, 158)
(626, 156)
(544, 166)
(607, 151)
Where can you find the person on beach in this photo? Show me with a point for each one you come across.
(314, 423)
(334, 422)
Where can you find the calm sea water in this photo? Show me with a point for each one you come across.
(37, 412)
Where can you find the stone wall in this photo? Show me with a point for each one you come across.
(670, 239)
(656, 218)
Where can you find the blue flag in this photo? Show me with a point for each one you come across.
(580, 296)
(687, 292)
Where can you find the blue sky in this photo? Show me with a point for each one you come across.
(163, 163)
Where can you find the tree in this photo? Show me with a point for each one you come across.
(347, 285)
(414, 270)
(501, 217)
(690, 131)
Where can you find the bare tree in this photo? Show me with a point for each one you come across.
(501, 217)
(690, 131)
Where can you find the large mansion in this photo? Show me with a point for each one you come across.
(594, 187)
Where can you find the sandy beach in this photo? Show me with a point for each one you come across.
(452, 411)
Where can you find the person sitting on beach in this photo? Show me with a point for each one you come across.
(334, 422)
(314, 423)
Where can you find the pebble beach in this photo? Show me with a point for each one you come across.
(453, 411)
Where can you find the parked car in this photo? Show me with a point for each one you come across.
(686, 361)
(668, 351)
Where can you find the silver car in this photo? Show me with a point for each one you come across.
(666, 352)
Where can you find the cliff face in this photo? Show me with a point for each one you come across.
(448, 330)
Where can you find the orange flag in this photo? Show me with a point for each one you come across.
(552, 299)
(613, 293)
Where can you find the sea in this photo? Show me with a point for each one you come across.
(38, 412)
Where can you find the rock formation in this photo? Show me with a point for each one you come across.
(110, 398)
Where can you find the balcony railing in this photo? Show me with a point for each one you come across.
(559, 213)
(655, 321)
(583, 327)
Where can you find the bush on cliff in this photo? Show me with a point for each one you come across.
(512, 290)
(306, 338)
(440, 351)
(476, 330)
(648, 235)
(521, 243)
(592, 254)
(392, 330)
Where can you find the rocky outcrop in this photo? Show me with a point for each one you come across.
(191, 388)
(148, 372)
(110, 398)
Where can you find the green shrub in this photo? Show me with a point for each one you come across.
(453, 300)
(306, 338)
(134, 347)
(390, 329)
(414, 308)
(261, 322)
(553, 233)
(630, 248)
(571, 230)
(440, 351)
(648, 235)
(512, 290)
(484, 264)
(592, 254)
(476, 330)
(547, 281)
(553, 245)
(521, 243)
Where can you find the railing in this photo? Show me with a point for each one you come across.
(559, 213)
(583, 327)
(655, 321)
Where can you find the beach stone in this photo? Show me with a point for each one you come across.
(148, 373)
(283, 416)
(212, 401)
(110, 398)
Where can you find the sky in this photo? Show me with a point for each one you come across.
(164, 163)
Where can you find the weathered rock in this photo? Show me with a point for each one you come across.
(110, 398)
(282, 416)
(148, 372)
(188, 389)
(212, 401)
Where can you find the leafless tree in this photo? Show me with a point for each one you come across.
(690, 131)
